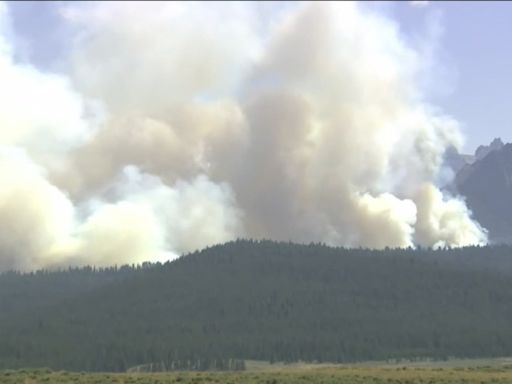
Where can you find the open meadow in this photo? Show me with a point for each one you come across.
(456, 372)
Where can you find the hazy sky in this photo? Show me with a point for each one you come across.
(471, 79)
(475, 45)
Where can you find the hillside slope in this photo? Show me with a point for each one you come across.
(274, 301)
(486, 185)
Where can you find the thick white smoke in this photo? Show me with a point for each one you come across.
(35, 215)
(148, 220)
(176, 126)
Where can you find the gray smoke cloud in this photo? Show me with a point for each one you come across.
(175, 126)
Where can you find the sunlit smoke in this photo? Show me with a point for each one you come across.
(176, 126)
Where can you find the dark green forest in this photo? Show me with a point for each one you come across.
(261, 300)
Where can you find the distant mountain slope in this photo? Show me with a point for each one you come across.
(484, 150)
(271, 301)
(455, 160)
(487, 186)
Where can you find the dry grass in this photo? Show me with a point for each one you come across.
(298, 374)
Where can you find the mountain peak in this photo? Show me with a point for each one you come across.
(484, 150)
(486, 185)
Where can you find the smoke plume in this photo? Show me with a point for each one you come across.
(173, 126)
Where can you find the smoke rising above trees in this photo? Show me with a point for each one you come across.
(173, 126)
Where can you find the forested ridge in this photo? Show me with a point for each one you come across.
(261, 300)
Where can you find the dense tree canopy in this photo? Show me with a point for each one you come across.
(261, 300)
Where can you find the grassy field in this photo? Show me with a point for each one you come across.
(459, 371)
(452, 372)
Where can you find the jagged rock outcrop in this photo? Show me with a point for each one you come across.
(486, 185)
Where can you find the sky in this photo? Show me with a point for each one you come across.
(473, 45)
(471, 49)
(140, 131)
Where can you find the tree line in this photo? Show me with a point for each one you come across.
(261, 300)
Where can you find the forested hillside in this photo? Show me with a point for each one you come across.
(262, 300)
